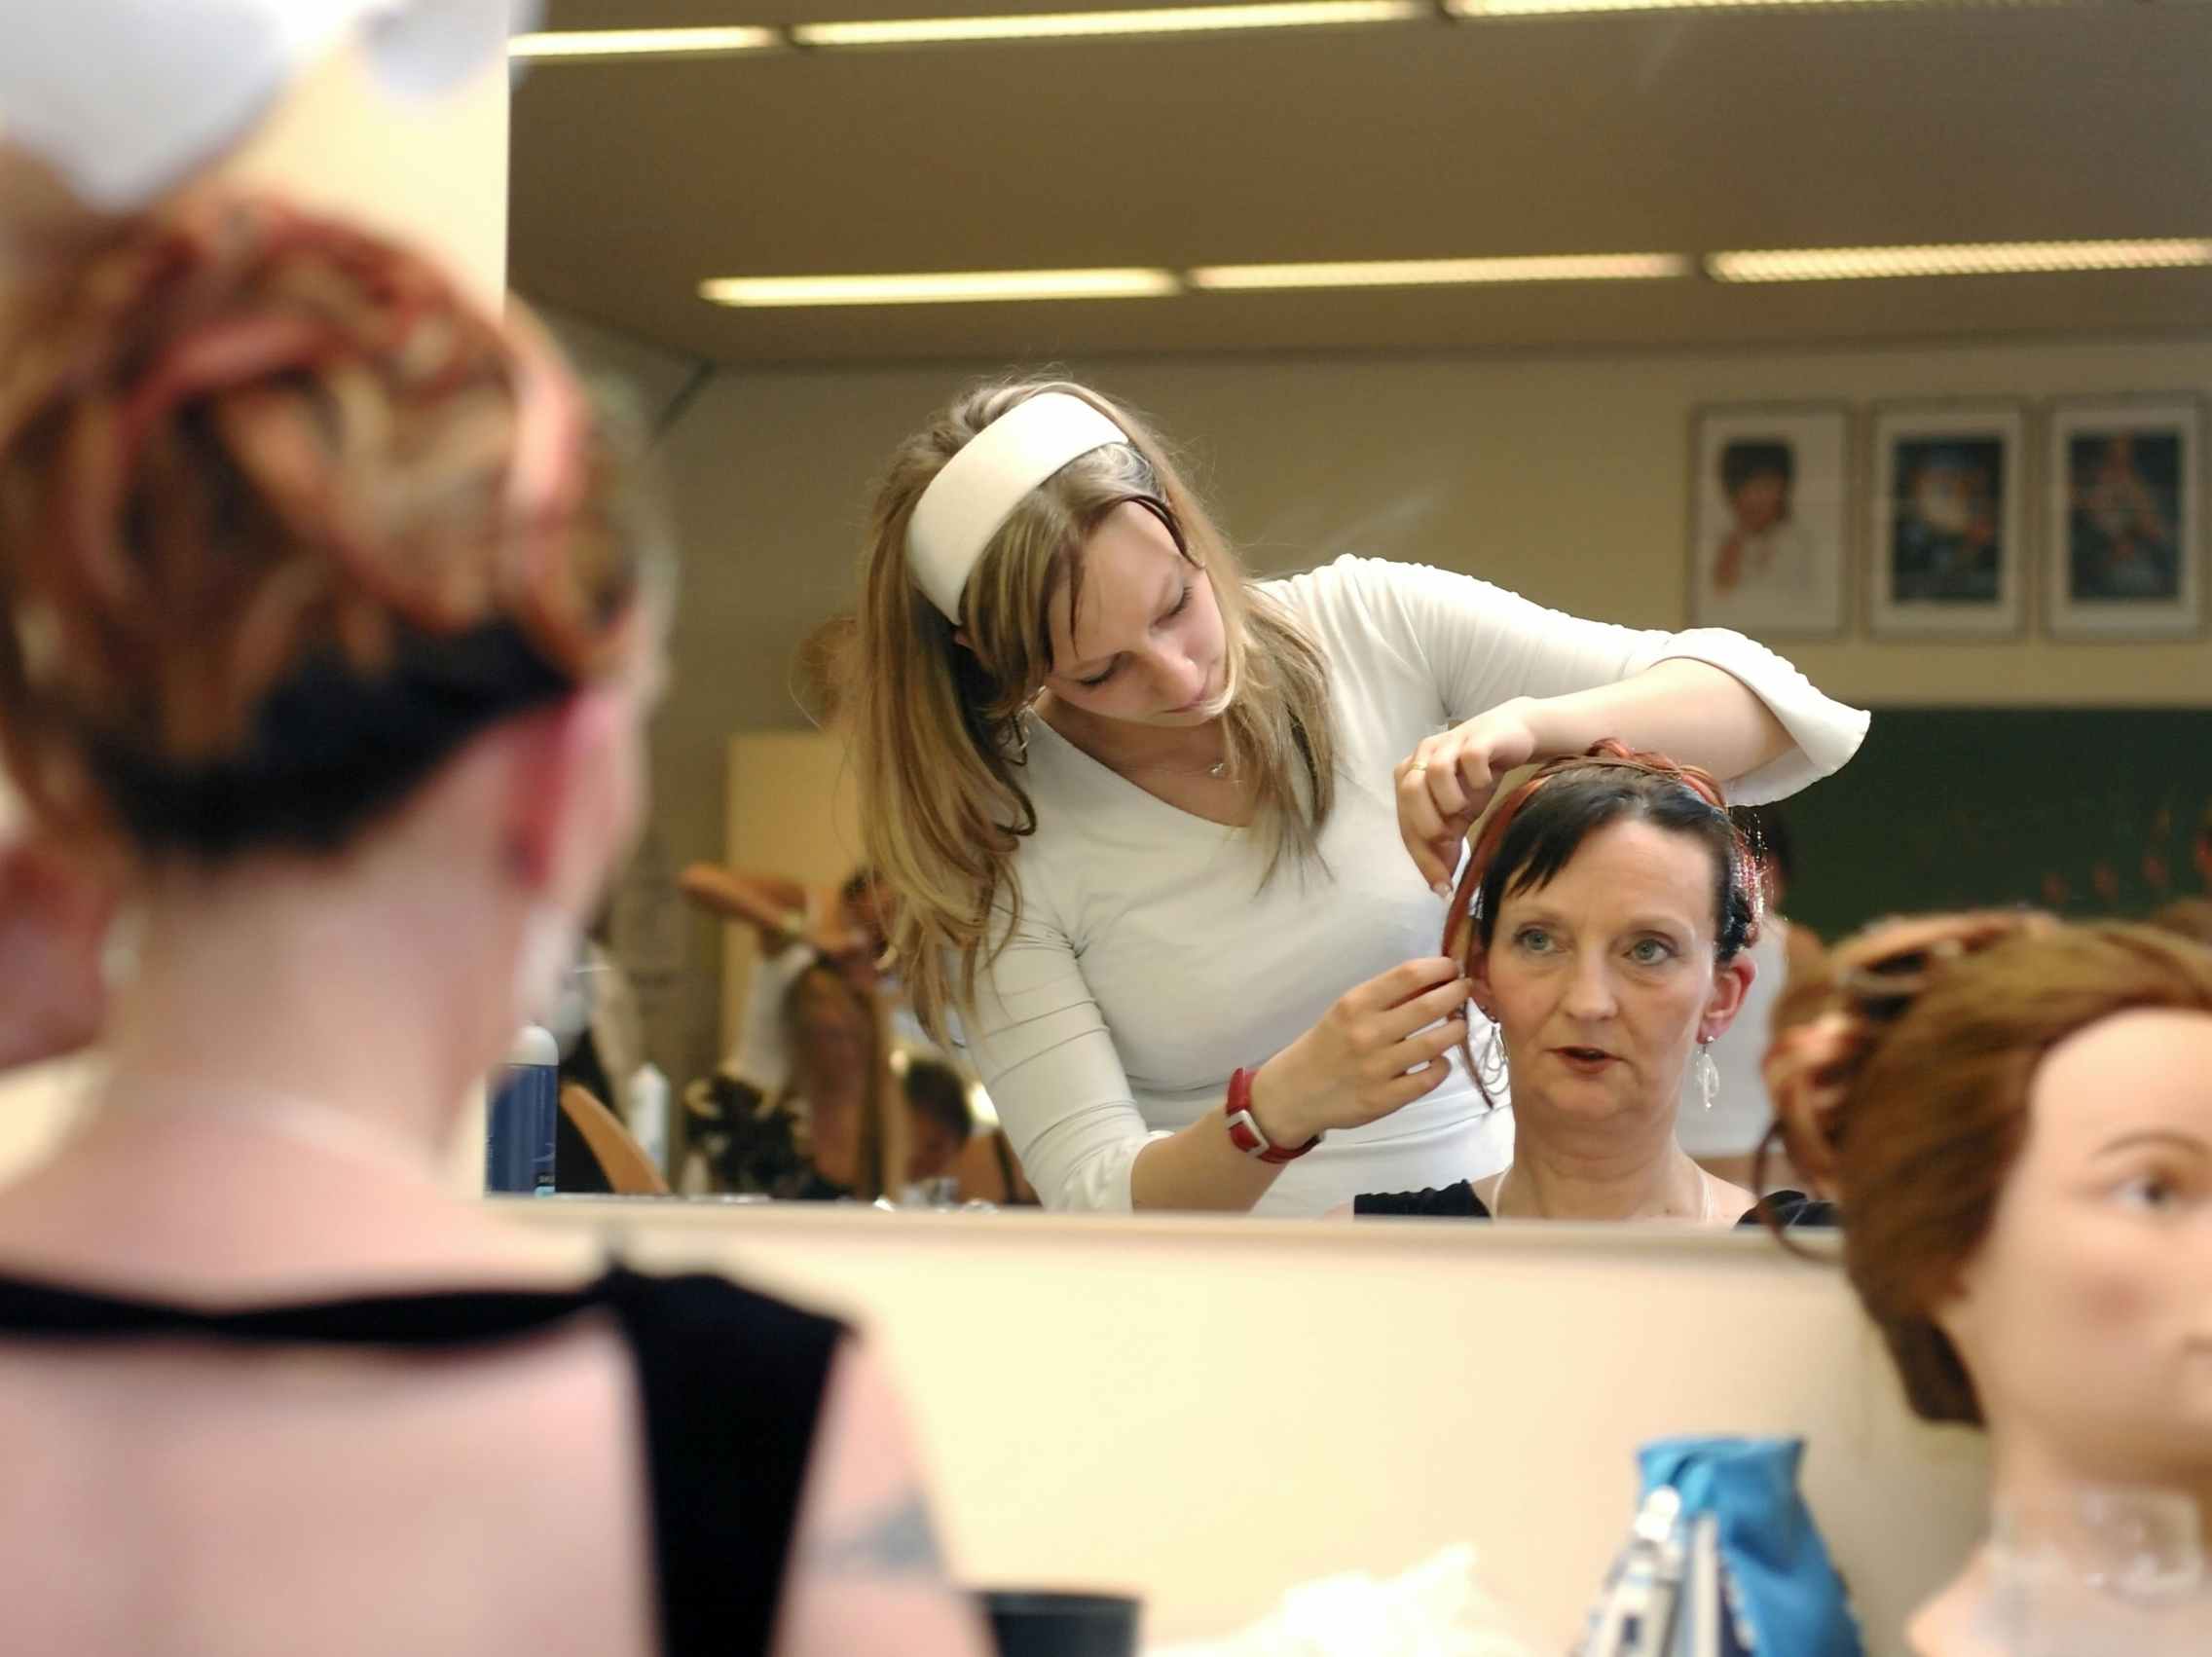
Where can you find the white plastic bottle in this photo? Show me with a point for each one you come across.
(648, 1113)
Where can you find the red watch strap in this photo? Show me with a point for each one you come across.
(1245, 1131)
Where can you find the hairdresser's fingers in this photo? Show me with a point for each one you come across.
(1422, 1010)
(1414, 1085)
(1423, 831)
(1478, 772)
(1433, 1043)
(1402, 983)
(1437, 763)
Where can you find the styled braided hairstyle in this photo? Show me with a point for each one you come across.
(1536, 831)
(285, 518)
(1900, 1083)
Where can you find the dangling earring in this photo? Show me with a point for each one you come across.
(1708, 1075)
(1016, 746)
(1490, 1055)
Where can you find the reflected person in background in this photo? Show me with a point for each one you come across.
(2015, 1114)
(1173, 845)
(939, 1120)
(1604, 919)
(324, 605)
(836, 1129)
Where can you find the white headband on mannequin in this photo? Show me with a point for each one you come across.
(979, 486)
(128, 98)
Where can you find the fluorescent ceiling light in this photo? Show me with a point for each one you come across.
(1070, 25)
(940, 288)
(643, 43)
(1965, 259)
(1564, 8)
(1421, 273)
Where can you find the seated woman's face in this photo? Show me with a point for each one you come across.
(1603, 979)
(2086, 1316)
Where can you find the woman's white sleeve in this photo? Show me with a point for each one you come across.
(1485, 646)
(1041, 1047)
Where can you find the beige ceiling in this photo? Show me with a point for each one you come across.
(1669, 132)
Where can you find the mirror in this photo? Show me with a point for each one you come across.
(1991, 480)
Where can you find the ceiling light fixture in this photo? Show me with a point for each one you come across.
(644, 43)
(940, 288)
(1426, 272)
(1077, 25)
(1965, 259)
(1477, 9)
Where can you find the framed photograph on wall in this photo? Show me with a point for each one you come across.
(1770, 520)
(1949, 542)
(2126, 554)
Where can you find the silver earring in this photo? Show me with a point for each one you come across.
(1489, 1056)
(1708, 1075)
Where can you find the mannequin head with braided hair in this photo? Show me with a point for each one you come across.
(2015, 1114)
(319, 578)
(1602, 919)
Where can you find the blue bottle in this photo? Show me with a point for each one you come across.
(520, 1117)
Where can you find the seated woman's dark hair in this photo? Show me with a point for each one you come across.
(285, 520)
(1535, 831)
(935, 1089)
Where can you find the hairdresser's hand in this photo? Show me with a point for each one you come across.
(1377, 1050)
(1444, 785)
(53, 920)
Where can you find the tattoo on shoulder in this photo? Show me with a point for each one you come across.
(895, 1541)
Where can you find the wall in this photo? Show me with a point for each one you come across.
(1209, 1410)
(1566, 477)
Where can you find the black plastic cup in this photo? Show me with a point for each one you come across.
(1026, 1623)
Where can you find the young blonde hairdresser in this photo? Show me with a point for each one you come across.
(1172, 845)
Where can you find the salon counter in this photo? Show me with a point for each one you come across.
(1208, 1410)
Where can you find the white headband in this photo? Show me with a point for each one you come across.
(978, 488)
(128, 98)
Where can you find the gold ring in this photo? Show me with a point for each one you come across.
(1418, 767)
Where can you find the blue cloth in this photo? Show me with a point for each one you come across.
(1784, 1586)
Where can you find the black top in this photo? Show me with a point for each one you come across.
(1459, 1202)
(755, 1144)
(732, 1383)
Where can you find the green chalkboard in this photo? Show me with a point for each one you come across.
(2090, 811)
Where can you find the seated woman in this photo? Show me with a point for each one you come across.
(939, 1120)
(2015, 1115)
(1602, 919)
(323, 604)
(836, 1129)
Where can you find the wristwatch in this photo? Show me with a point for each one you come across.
(1244, 1129)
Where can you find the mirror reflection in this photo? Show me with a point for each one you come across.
(1111, 731)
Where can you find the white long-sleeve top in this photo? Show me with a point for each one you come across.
(1152, 961)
